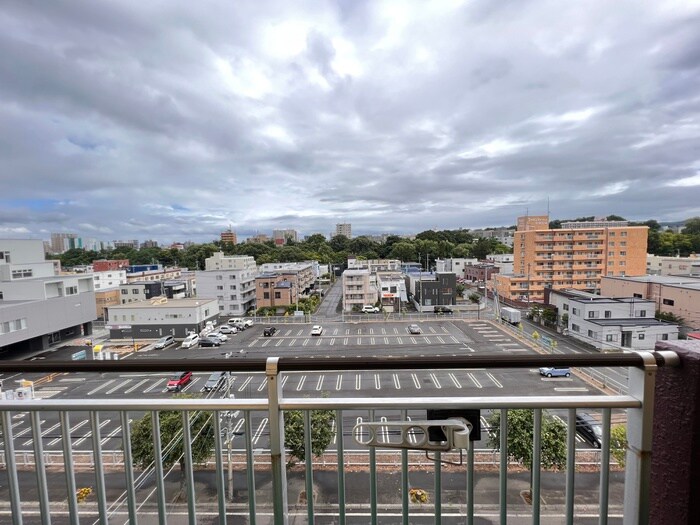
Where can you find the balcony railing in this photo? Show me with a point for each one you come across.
(146, 488)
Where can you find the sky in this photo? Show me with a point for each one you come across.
(172, 120)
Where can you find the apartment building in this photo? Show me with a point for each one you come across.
(374, 265)
(107, 265)
(158, 317)
(357, 290)
(151, 272)
(344, 228)
(260, 238)
(37, 307)
(657, 265)
(231, 280)
(274, 290)
(229, 236)
(573, 257)
(678, 295)
(624, 323)
(132, 244)
(283, 236)
(109, 279)
(302, 274)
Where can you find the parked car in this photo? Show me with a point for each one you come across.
(269, 331)
(209, 341)
(317, 330)
(414, 329)
(551, 371)
(368, 309)
(590, 429)
(227, 329)
(190, 341)
(164, 341)
(235, 321)
(442, 310)
(215, 382)
(178, 380)
(221, 337)
(248, 323)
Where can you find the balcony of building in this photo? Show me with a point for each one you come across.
(659, 408)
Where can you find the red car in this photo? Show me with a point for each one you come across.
(178, 380)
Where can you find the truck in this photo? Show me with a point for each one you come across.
(510, 315)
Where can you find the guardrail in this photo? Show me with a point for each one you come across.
(147, 487)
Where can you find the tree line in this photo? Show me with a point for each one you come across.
(426, 247)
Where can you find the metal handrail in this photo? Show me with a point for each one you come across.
(287, 364)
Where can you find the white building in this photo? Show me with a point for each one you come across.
(37, 307)
(657, 265)
(611, 323)
(158, 317)
(305, 273)
(357, 290)
(391, 287)
(374, 265)
(502, 261)
(344, 228)
(229, 279)
(454, 265)
(109, 279)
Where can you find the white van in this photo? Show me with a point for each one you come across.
(190, 341)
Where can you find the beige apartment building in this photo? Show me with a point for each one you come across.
(357, 289)
(679, 295)
(573, 257)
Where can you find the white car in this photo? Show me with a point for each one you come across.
(219, 335)
(226, 329)
(190, 341)
(369, 309)
(317, 330)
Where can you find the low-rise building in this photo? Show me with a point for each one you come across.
(678, 295)
(151, 272)
(392, 290)
(482, 272)
(657, 265)
(357, 291)
(302, 274)
(37, 307)
(159, 317)
(432, 289)
(110, 265)
(231, 279)
(109, 279)
(106, 298)
(374, 265)
(625, 323)
(275, 290)
(502, 261)
(454, 265)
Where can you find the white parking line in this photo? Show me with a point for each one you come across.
(279, 342)
(300, 332)
(358, 382)
(507, 344)
(306, 342)
(267, 342)
(435, 380)
(386, 340)
(397, 383)
(345, 341)
(43, 434)
(292, 342)
(136, 386)
(377, 382)
(396, 330)
(190, 384)
(339, 382)
(359, 341)
(398, 340)
(384, 431)
(263, 384)
(440, 339)
(383, 331)
(284, 380)
(416, 383)
(454, 339)
(347, 331)
(301, 382)
(288, 332)
(110, 435)
(75, 427)
(476, 383)
(259, 431)
(252, 343)
(112, 390)
(455, 380)
(89, 434)
(427, 341)
(245, 383)
(371, 340)
(358, 433)
(332, 341)
(413, 340)
(319, 385)
(432, 329)
(335, 331)
(445, 330)
(496, 381)
(103, 385)
(371, 331)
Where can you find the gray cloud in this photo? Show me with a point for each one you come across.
(134, 120)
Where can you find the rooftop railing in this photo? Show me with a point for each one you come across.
(145, 488)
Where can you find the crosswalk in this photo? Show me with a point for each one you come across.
(499, 339)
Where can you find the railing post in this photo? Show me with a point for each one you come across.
(639, 437)
(277, 457)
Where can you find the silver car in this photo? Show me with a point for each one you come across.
(164, 341)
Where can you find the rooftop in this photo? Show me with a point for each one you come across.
(168, 303)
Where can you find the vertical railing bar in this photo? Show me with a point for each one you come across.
(11, 468)
(99, 467)
(536, 461)
(438, 488)
(570, 465)
(189, 469)
(503, 470)
(277, 456)
(372, 479)
(68, 467)
(250, 467)
(40, 469)
(220, 487)
(128, 467)
(341, 466)
(158, 464)
(605, 467)
(308, 475)
(470, 484)
(404, 479)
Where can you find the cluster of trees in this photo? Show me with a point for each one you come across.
(664, 243)
(428, 245)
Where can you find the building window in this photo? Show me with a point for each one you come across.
(71, 290)
(278, 295)
(611, 243)
(608, 314)
(593, 315)
(623, 234)
(591, 334)
(219, 277)
(232, 287)
(565, 307)
(640, 313)
(221, 307)
(611, 254)
(667, 302)
(234, 297)
(637, 295)
(125, 292)
(664, 337)
(623, 254)
(641, 337)
(622, 263)
(219, 287)
(266, 295)
(575, 328)
(575, 311)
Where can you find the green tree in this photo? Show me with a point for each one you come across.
(321, 433)
(403, 251)
(618, 444)
(692, 226)
(615, 218)
(474, 297)
(171, 432)
(669, 317)
(521, 425)
(339, 243)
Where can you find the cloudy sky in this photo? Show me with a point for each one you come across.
(171, 120)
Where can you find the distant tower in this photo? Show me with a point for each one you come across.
(229, 236)
(344, 228)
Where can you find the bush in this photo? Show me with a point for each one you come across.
(618, 444)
